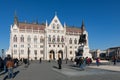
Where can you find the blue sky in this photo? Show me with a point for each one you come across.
(101, 18)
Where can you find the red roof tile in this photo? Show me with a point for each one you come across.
(31, 26)
(75, 30)
(42, 27)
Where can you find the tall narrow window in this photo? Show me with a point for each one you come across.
(41, 39)
(15, 38)
(49, 38)
(75, 41)
(53, 26)
(35, 39)
(62, 39)
(70, 41)
(58, 38)
(22, 38)
(29, 39)
(57, 26)
(53, 38)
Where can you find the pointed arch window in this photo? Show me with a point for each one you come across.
(70, 41)
(75, 41)
(53, 26)
(62, 39)
(58, 26)
(53, 38)
(49, 38)
(22, 38)
(15, 38)
(35, 39)
(41, 39)
(58, 38)
(29, 38)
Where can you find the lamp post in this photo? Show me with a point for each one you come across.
(28, 52)
(66, 54)
(2, 53)
(19, 54)
(12, 53)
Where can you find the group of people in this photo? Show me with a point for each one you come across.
(7, 64)
(82, 62)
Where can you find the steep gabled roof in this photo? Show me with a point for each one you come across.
(31, 26)
(73, 29)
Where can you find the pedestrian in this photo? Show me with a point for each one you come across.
(87, 61)
(81, 63)
(97, 61)
(10, 66)
(114, 60)
(59, 63)
(1, 64)
(5, 61)
(40, 60)
(25, 62)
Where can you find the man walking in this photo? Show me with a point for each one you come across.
(60, 63)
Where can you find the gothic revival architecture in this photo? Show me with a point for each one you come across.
(46, 41)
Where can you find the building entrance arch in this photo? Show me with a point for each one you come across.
(60, 54)
(51, 55)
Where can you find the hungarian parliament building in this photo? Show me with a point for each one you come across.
(48, 41)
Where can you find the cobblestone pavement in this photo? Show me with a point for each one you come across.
(49, 71)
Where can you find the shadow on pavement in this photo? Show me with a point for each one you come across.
(2, 73)
(55, 67)
(15, 73)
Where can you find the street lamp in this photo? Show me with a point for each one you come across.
(12, 53)
(2, 53)
(19, 54)
(28, 52)
(66, 54)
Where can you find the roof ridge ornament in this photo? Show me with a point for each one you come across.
(15, 18)
(55, 13)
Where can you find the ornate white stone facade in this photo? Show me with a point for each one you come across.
(46, 41)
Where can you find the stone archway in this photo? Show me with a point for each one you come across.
(51, 55)
(60, 54)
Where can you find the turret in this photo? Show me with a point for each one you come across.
(15, 19)
(83, 26)
(46, 24)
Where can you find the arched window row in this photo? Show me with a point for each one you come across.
(75, 41)
(50, 38)
(56, 38)
(35, 39)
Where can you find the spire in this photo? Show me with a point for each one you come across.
(15, 18)
(64, 24)
(46, 23)
(55, 13)
(83, 26)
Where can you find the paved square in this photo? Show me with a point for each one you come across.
(49, 71)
